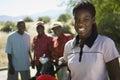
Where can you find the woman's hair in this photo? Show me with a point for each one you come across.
(85, 6)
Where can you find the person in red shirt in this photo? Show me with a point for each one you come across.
(41, 46)
(58, 46)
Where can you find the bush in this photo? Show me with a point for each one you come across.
(28, 19)
(8, 26)
(64, 17)
(67, 29)
(1, 23)
(45, 19)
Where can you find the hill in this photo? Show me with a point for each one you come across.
(53, 14)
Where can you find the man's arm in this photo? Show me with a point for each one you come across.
(32, 60)
(30, 55)
(11, 68)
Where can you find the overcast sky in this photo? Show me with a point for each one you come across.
(27, 7)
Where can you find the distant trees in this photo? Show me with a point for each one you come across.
(8, 26)
(108, 14)
(45, 19)
(64, 17)
(28, 19)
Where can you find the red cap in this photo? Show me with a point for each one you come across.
(41, 24)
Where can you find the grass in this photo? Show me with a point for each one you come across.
(3, 56)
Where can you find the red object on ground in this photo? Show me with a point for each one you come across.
(45, 77)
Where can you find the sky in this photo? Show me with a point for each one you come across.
(27, 7)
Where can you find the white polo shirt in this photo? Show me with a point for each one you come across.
(18, 46)
(92, 65)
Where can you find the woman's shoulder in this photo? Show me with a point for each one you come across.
(12, 34)
(70, 43)
(104, 39)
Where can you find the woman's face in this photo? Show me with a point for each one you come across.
(83, 23)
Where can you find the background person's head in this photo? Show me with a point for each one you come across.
(57, 28)
(84, 16)
(40, 27)
(21, 27)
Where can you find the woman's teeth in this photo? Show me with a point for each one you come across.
(82, 29)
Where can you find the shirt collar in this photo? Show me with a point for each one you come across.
(89, 42)
(39, 36)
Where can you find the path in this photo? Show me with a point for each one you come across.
(3, 73)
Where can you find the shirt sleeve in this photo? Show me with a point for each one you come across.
(110, 51)
(8, 48)
(33, 43)
(30, 47)
(67, 48)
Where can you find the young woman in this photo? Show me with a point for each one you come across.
(90, 56)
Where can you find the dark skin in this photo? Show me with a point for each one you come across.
(113, 68)
(40, 30)
(83, 26)
(21, 28)
(11, 68)
(58, 31)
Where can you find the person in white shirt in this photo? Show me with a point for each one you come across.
(90, 56)
(18, 51)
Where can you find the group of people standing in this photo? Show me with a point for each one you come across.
(48, 46)
(18, 48)
(89, 55)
